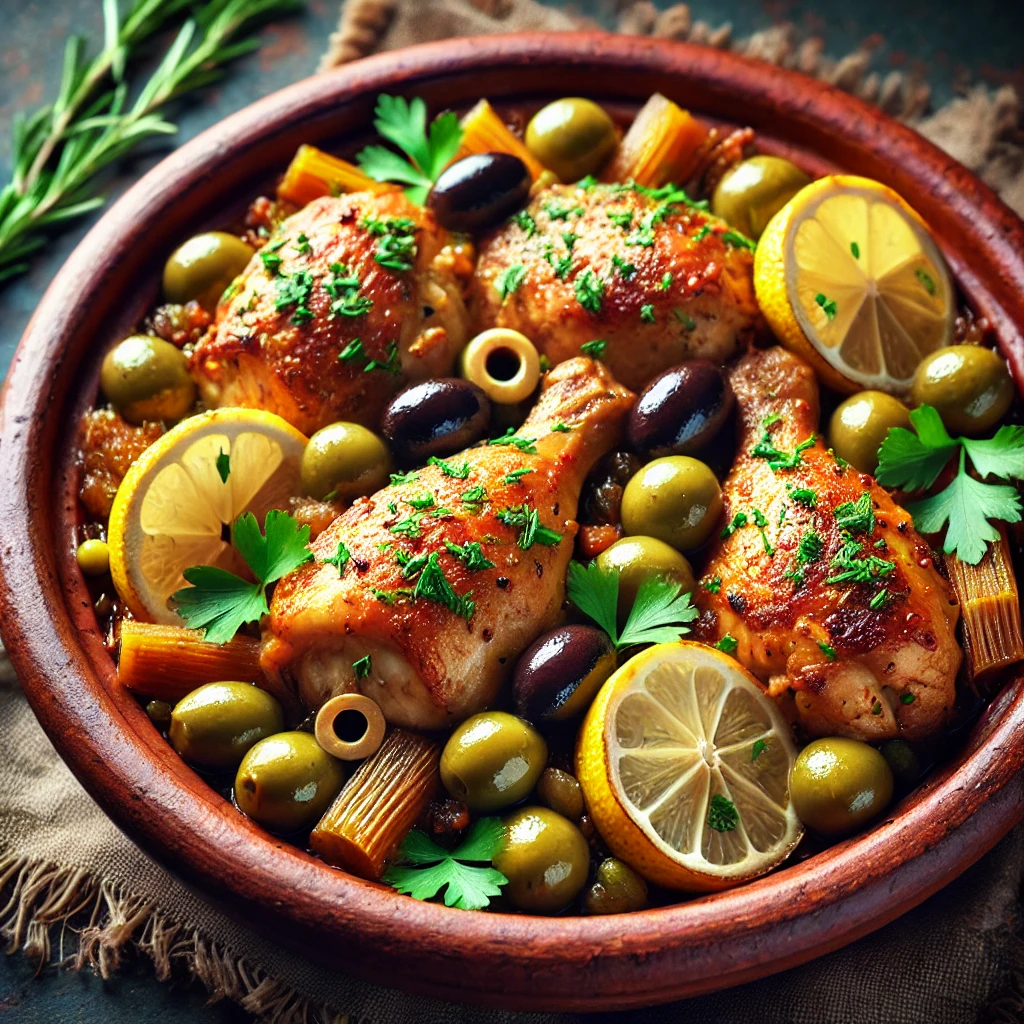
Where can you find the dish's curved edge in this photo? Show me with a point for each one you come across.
(817, 906)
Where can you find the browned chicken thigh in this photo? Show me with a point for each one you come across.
(830, 595)
(652, 276)
(436, 584)
(348, 300)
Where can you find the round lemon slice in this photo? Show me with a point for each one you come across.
(177, 503)
(684, 764)
(849, 277)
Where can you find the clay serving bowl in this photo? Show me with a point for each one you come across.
(48, 625)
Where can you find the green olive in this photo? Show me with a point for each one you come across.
(561, 792)
(493, 760)
(345, 460)
(859, 426)
(573, 137)
(216, 724)
(617, 890)
(970, 387)
(754, 190)
(545, 859)
(287, 782)
(638, 559)
(146, 378)
(900, 756)
(203, 267)
(93, 557)
(159, 713)
(839, 784)
(675, 499)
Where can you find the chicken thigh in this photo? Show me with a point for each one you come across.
(423, 594)
(648, 273)
(820, 582)
(349, 299)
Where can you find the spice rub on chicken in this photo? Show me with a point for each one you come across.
(819, 583)
(349, 299)
(645, 275)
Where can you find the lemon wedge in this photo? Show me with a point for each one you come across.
(684, 764)
(849, 277)
(178, 501)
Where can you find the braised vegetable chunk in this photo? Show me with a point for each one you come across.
(109, 446)
(647, 273)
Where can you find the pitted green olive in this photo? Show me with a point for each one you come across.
(970, 387)
(618, 889)
(217, 723)
(860, 425)
(146, 378)
(203, 267)
(287, 781)
(344, 460)
(493, 760)
(754, 190)
(573, 137)
(638, 559)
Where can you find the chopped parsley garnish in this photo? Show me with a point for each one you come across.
(778, 459)
(856, 516)
(828, 305)
(559, 209)
(223, 466)
(570, 239)
(301, 244)
(594, 349)
(343, 288)
(759, 747)
(876, 708)
(914, 461)
(390, 363)
(853, 566)
(589, 290)
(728, 644)
(433, 585)
(404, 478)
(621, 218)
(340, 558)
(666, 281)
(517, 475)
(531, 531)
(827, 649)
(647, 313)
(294, 290)
(422, 868)
(410, 526)
(739, 520)
(761, 522)
(626, 269)
(527, 445)
(705, 230)
(361, 667)
(880, 600)
(396, 246)
(805, 496)
(526, 222)
(423, 501)
(471, 554)
(738, 240)
(271, 261)
(220, 602)
(474, 498)
(685, 319)
(560, 264)
(855, 250)
(925, 279)
(509, 280)
(561, 428)
(659, 613)
(450, 468)
(353, 350)
(722, 814)
(713, 585)
(907, 698)
(808, 550)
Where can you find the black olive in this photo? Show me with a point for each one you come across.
(435, 417)
(560, 673)
(681, 410)
(476, 192)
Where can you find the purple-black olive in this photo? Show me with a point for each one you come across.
(476, 192)
(435, 417)
(681, 410)
(560, 673)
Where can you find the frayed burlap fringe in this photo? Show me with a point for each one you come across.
(97, 925)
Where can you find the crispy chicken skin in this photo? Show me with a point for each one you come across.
(849, 669)
(270, 353)
(434, 661)
(589, 274)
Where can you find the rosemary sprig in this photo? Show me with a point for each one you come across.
(58, 150)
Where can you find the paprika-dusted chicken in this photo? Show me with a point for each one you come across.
(423, 594)
(648, 273)
(348, 300)
(829, 593)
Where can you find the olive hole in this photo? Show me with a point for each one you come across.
(249, 786)
(350, 726)
(503, 363)
(225, 532)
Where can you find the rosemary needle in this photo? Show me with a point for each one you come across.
(58, 150)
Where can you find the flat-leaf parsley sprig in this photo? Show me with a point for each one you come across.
(659, 613)
(220, 602)
(423, 868)
(428, 152)
(914, 460)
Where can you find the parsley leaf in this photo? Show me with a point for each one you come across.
(361, 667)
(424, 868)
(450, 468)
(509, 280)
(221, 602)
(594, 349)
(727, 644)
(856, 516)
(405, 124)
(722, 814)
(589, 290)
(911, 461)
(526, 445)
(471, 553)
(433, 585)
(778, 459)
(340, 559)
(532, 532)
(223, 466)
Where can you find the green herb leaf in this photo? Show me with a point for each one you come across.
(589, 290)
(713, 585)
(532, 532)
(778, 459)
(527, 445)
(433, 586)
(471, 553)
(828, 305)
(912, 461)
(647, 313)
(596, 594)
(340, 558)
(396, 247)
(282, 549)
(659, 613)
(525, 221)
(722, 814)
(1002, 455)
(404, 478)
(827, 649)
(353, 350)
(517, 475)
(361, 667)
(594, 349)
(855, 250)
(450, 468)
(509, 280)
(856, 516)
(759, 747)
(728, 644)
(223, 466)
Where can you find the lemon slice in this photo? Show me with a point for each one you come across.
(684, 764)
(849, 277)
(173, 509)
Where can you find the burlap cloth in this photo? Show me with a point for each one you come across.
(74, 891)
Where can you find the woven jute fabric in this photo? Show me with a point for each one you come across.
(76, 894)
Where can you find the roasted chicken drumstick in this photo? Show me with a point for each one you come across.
(820, 581)
(423, 594)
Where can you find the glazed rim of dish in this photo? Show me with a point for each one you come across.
(699, 945)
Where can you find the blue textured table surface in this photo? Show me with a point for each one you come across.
(949, 42)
